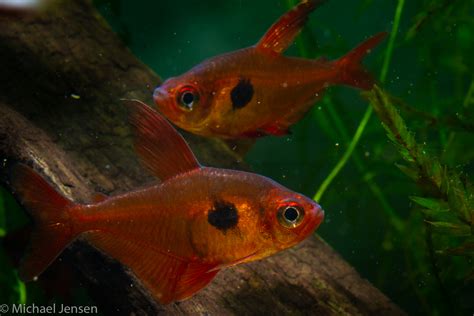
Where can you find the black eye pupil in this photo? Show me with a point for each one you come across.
(187, 98)
(291, 214)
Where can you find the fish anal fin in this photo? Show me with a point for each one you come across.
(162, 149)
(168, 278)
(283, 32)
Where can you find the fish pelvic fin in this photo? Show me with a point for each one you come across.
(167, 277)
(351, 72)
(50, 212)
(283, 32)
(161, 148)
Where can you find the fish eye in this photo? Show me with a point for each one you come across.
(290, 216)
(187, 98)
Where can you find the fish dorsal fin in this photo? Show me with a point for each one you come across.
(168, 278)
(282, 34)
(162, 149)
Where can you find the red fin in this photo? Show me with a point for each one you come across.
(275, 130)
(169, 278)
(49, 210)
(252, 134)
(283, 32)
(99, 197)
(163, 150)
(351, 71)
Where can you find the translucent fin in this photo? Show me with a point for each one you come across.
(352, 73)
(167, 277)
(49, 210)
(99, 197)
(283, 33)
(162, 149)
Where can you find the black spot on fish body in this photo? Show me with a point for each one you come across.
(241, 94)
(223, 215)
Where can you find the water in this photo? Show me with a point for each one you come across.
(430, 70)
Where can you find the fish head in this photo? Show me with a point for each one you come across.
(291, 217)
(185, 100)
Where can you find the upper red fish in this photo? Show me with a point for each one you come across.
(174, 236)
(257, 91)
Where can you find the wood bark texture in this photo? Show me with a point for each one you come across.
(62, 75)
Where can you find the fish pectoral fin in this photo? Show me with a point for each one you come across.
(283, 33)
(236, 262)
(167, 277)
(99, 197)
(275, 130)
(162, 149)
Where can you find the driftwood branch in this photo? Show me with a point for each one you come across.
(62, 75)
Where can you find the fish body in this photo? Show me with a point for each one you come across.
(174, 236)
(257, 91)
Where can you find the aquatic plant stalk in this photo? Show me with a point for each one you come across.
(304, 46)
(365, 119)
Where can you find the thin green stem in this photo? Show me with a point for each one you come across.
(368, 113)
(306, 50)
(342, 162)
(391, 41)
(21, 289)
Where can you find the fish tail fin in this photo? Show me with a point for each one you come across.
(352, 73)
(50, 212)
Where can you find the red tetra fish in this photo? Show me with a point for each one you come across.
(174, 236)
(257, 91)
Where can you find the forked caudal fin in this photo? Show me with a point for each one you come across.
(49, 210)
(351, 71)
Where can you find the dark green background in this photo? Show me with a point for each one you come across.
(432, 70)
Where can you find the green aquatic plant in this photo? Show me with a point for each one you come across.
(363, 124)
(11, 287)
(446, 201)
(408, 231)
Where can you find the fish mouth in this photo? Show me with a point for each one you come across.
(317, 217)
(158, 95)
(163, 102)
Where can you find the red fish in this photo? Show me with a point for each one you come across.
(257, 91)
(174, 236)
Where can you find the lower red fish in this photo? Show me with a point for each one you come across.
(257, 91)
(177, 235)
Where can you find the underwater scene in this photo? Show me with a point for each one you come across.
(237, 157)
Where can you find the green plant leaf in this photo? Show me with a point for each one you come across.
(410, 172)
(466, 249)
(451, 228)
(435, 205)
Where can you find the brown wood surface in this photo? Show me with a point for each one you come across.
(63, 73)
